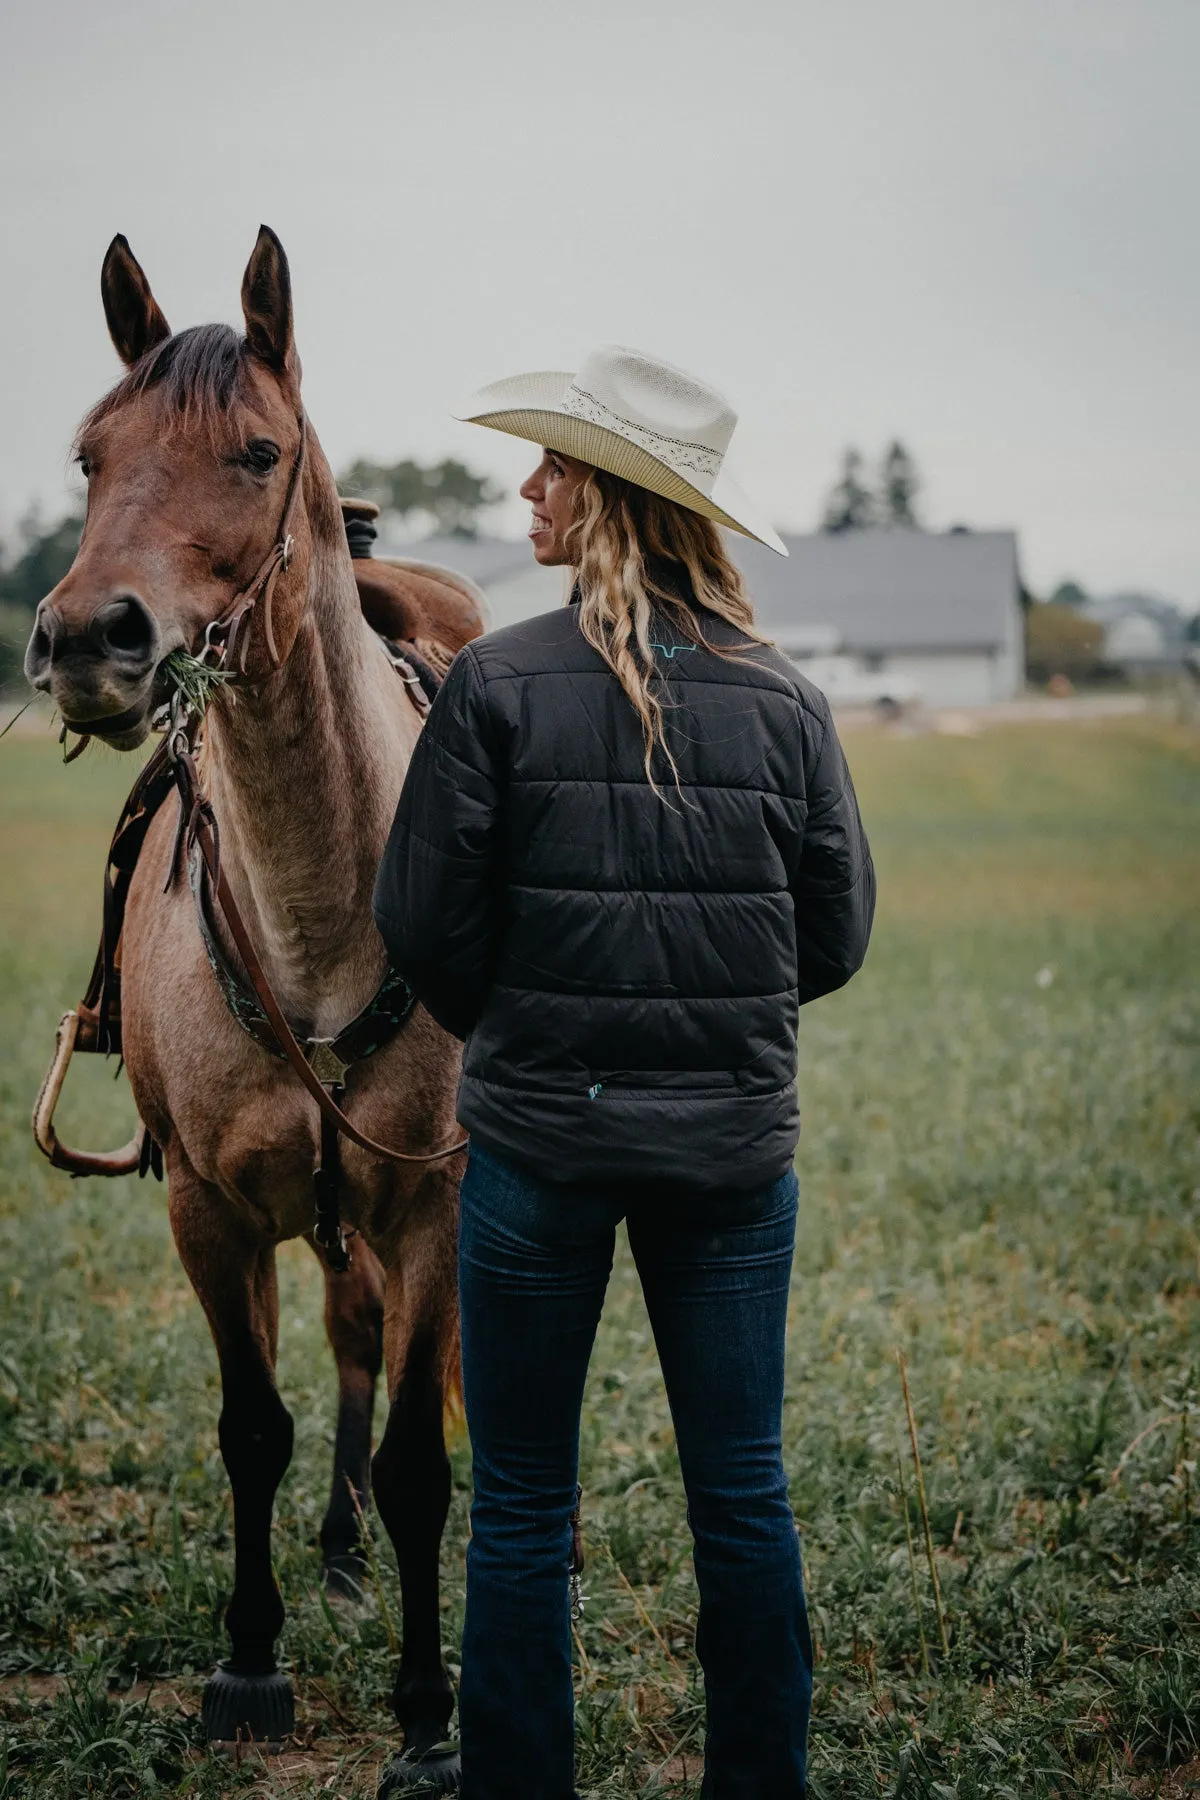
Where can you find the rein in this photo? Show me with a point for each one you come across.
(95, 1025)
(201, 833)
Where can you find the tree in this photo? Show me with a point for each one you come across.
(14, 635)
(1059, 640)
(46, 554)
(1070, 593)
(898, 486)
(450, 495)
(43, 555)
(850, 506)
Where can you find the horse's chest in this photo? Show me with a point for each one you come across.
(212, 1095)
(202, 1085)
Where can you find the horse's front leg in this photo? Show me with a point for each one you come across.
(233, 1273)
(354, 1324)
(411, 1471)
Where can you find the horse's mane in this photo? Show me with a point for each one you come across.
(200, 370)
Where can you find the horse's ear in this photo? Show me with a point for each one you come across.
(135, 322)
(267, 302)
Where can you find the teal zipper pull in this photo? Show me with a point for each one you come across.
(593, 1091)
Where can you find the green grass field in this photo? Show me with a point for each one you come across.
(999, 1179)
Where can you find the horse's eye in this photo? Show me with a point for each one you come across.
(85, 467)
(260, 456)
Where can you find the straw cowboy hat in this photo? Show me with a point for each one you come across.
(637, 417)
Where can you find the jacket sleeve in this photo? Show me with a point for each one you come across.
(436, 891)
(833, 883)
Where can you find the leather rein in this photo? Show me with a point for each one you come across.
(227, 642)
(200, 833)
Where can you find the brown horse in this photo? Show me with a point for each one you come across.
(188, 462)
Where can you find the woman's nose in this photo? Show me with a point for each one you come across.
(532, 488)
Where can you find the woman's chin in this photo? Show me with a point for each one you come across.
(546, 551)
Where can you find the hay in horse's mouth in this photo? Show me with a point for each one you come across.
(178, 673)
(193, 680)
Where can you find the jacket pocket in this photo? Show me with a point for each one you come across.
(663, 1081)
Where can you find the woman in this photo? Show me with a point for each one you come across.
(627, 851)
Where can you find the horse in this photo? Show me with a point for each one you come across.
(201, 467)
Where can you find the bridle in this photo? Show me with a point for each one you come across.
(227, 639)
(226, 651)
(226, 645)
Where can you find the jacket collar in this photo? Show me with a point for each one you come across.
(665, 573)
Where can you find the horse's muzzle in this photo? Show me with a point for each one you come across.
(101, 677)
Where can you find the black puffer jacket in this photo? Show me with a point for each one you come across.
(626, 969)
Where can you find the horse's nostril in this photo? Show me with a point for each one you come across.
(38, 653)
(126, 633)
(125, 628)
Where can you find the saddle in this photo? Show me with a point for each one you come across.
(432, 609)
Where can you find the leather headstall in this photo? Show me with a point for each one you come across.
(321, 1065)
(229, 635)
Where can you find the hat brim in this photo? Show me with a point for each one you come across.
(529, 406)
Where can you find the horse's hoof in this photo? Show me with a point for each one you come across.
(437, 1770)
(345, 1578)
(258, 1710)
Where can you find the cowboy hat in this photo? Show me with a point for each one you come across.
(637, 417)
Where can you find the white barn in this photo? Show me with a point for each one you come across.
(941, 612)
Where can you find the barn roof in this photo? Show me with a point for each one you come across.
(887, 589)
(871, 590)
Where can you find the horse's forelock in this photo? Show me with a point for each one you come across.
(200, 370)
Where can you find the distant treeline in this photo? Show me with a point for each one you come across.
(449, 498)
(28, 570)
(40, 559)
(444, 497)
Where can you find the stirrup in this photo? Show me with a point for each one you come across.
(130, 1159)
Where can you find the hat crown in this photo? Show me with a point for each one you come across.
(684, 420)
(639, 418)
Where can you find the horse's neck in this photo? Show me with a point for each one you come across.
(304, 773)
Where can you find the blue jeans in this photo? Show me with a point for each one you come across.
(534, 1261)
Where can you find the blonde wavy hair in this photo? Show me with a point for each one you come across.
(621, 536)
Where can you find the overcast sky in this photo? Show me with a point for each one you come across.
(969, 222)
